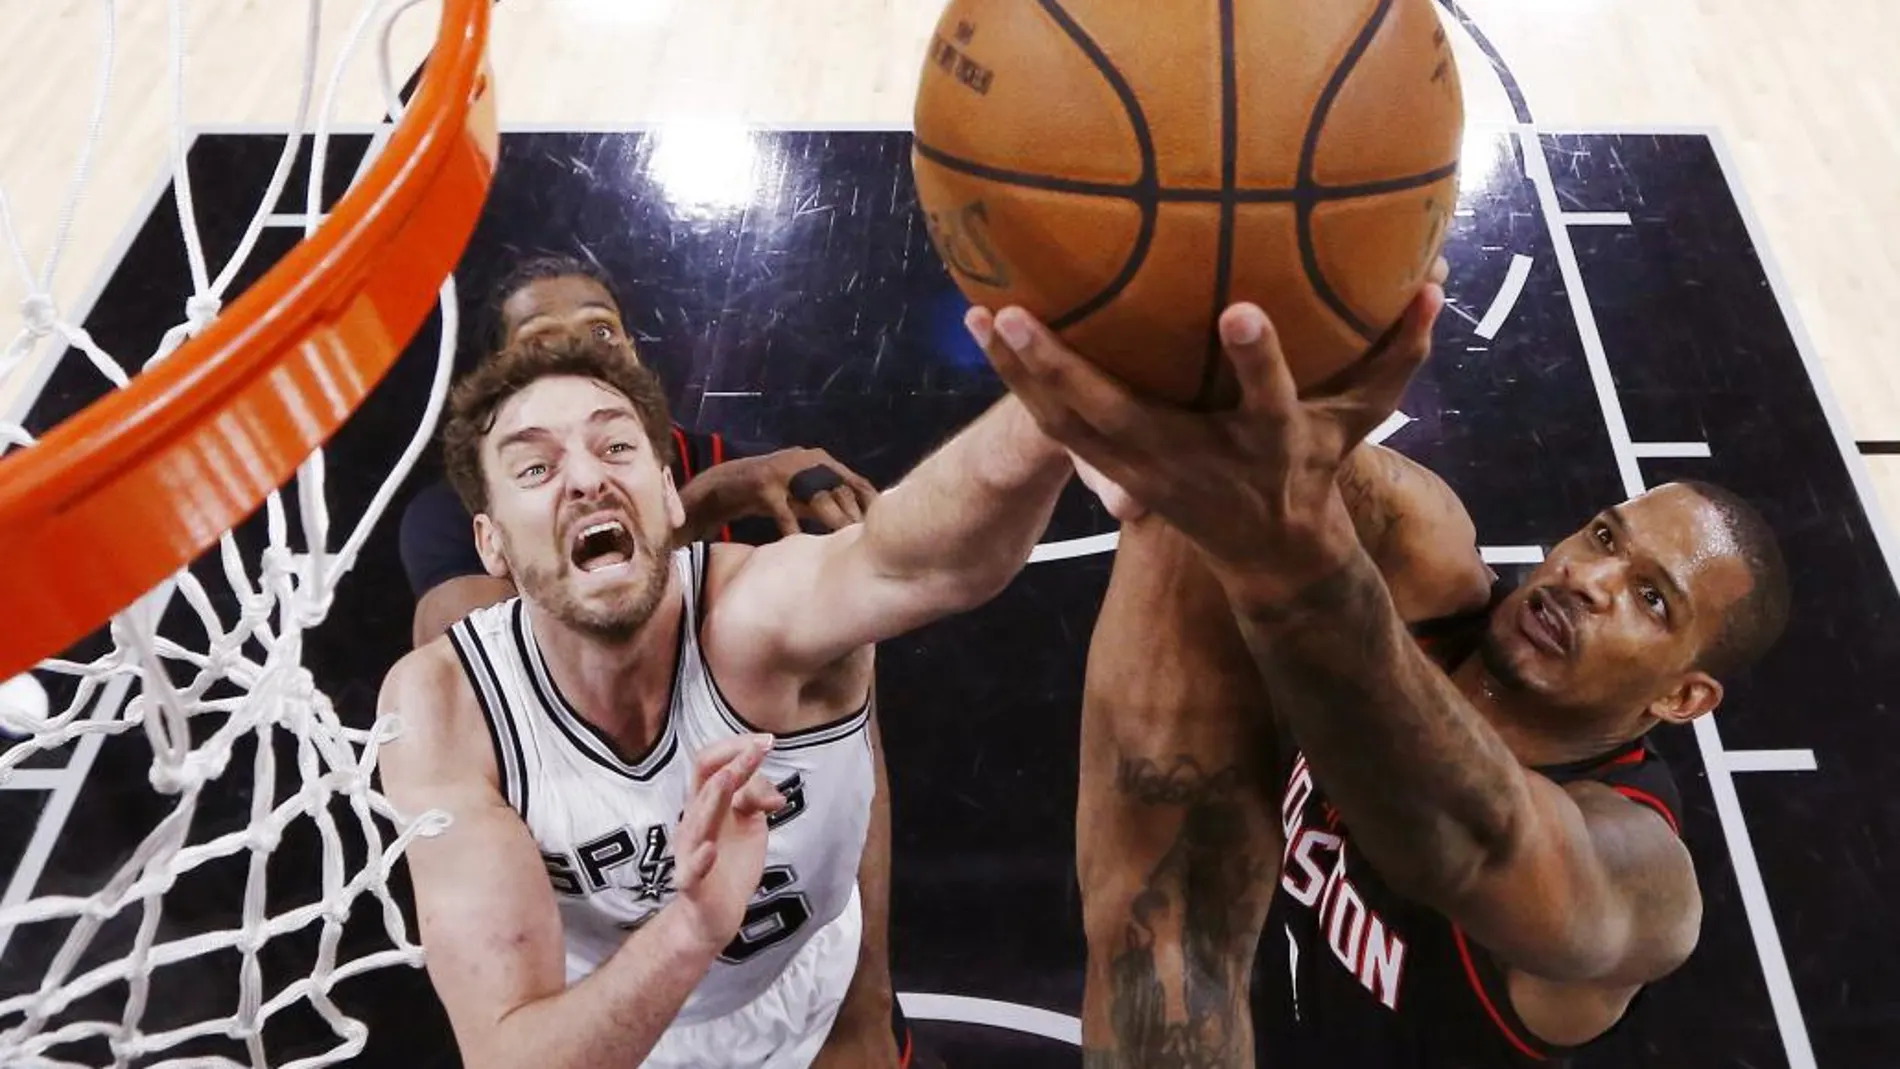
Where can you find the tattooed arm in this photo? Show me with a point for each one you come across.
(1568, 885)
(1598, 892)
(1416, 531)
(1178, 837)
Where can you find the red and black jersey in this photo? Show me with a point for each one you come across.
(1350, 973)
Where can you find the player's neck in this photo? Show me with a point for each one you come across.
(623, 688)
(1535, 736)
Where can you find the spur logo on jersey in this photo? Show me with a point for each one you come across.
(1313, 871)
(586, 870)
(597, 864)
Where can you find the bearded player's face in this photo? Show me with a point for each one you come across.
(581, 511)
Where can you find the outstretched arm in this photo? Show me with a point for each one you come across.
(1574, 884)
(1557, 883)
(947, 538)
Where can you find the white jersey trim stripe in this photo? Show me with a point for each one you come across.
(578, 732)
(510, 760)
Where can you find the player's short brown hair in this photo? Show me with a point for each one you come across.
(480, 394)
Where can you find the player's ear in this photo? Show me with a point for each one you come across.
(675, 508)
(488, 546)
(1695, 695)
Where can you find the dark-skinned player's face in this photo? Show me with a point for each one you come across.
(561, 304)
(1613, 621)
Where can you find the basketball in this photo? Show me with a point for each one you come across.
(1126, 169)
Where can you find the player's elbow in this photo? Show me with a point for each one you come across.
(960, 588)
(513, 1037)
(983, 586)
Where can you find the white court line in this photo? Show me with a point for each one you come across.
(1501, 305)
(962, 1009)
(59, 804)
(1453, 307)
(35, 779)
(1817, 375)
(1671, 450)
(1770, 760)
(1595, 218)
(1538, 170)
(297, 220)
(1388, 428)
(1512, 554)
(1075, 547)
(1761, 920)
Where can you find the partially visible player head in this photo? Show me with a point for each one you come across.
(557, 293)
(560, 448)
(1634, 619)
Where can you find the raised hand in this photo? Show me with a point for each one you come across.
(720, 847)
(788, 486)
(1253, 487)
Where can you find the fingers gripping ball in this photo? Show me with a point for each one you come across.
(1126, 169)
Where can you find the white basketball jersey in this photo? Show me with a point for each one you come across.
(606, 825)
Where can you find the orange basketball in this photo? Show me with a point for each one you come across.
(1126, 169)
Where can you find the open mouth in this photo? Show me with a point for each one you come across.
(1547, 625)
(600, 546)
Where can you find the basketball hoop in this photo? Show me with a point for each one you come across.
(191, 446)
(103, 515)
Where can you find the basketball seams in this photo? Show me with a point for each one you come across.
(1309, 149)
(1381, 187)
(1315, 194)
(1213, 356)
(1026, 179)
(1142, 193)
(1147, 193)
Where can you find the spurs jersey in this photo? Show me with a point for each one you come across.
(1351, 973)
(605, 823)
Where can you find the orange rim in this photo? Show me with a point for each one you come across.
(139, 484)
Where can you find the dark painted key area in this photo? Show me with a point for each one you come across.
(785, 289)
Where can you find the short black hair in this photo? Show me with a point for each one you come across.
(1755, 623)
(539, 269)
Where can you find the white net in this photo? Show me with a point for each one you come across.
(205, 706)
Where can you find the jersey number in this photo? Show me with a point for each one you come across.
(777, 914)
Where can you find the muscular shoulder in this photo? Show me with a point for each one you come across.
(1649, 870)
(1644, 853)
(748, 591)
(750, 602)
(440, 732)
(727, 598)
